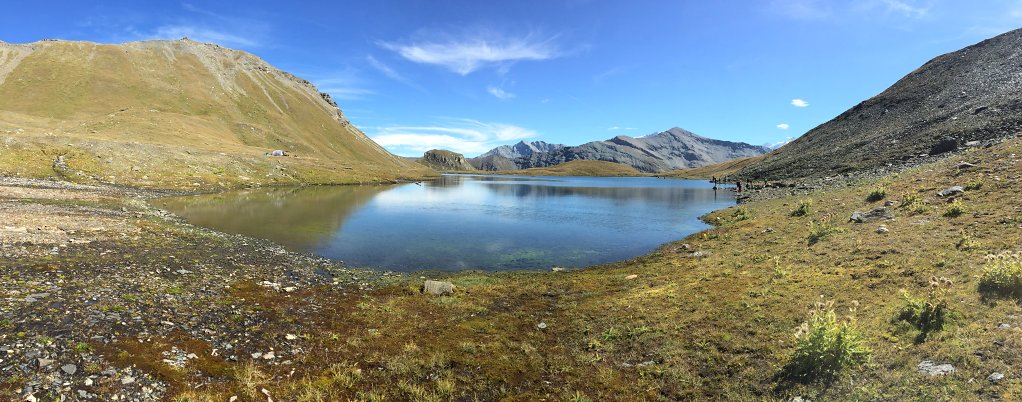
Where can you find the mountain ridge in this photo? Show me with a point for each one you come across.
(659, 152)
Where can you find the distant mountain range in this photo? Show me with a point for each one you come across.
(669, 150)
(969, 96)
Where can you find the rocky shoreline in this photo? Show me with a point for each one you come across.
(90, 272)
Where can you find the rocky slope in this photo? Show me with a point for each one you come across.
(444, 161)
(958, 98)
(669, 150)
(174, 114)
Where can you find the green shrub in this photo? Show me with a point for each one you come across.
(1002, 275)
(966, 242)
(931, 313)
(820, 231)
(973, 185)
(914, 204)
(802, 208)
(824, 347)
(954, 209)
(877, 194)
(740, 214)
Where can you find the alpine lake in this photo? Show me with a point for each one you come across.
(466, 222)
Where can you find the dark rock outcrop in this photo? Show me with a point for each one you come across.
(443, 160)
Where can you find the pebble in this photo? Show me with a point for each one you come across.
(883, 229)
(632, 276)
(995, 377)
(127, 380)
(541, 325)
(290, 337)
(70, 369)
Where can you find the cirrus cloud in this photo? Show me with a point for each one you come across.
(783, 126)
(466, 55)
(465, 136)
(799, 103)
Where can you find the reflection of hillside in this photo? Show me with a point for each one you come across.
(295, 217)
(667, 195)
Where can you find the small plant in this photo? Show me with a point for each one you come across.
(740, 214)
(954, 209)
(825, 346)
(877, 194)
(802, 208)
(973, 185)
(820, 231)
(1002, 275)
(914, 204)
(929, 314)
(82, 347)
(966, 242)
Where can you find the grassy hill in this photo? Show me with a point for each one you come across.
(177, 114)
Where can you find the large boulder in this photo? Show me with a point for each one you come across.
(876, 214)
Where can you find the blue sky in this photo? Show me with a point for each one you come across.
(470, 75)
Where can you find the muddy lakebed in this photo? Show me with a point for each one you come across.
(460, 222)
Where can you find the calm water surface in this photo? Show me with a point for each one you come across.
(466, 222)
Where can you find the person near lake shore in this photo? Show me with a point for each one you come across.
(739, 185)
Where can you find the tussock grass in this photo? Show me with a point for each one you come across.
(1002, 275)
(877, 194)
(803, 208)
(825, 346)
(929, 314)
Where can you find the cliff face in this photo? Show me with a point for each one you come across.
(171, 110)
(442, 160)
(969, 95)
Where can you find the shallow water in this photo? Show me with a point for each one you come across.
(462, 222)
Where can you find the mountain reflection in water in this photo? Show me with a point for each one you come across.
(466, 222)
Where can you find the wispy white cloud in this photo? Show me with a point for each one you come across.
(799, 103)
(467, 136)
(802, 9)
(390, 72)
(343, 86)
(904, 8)
(200, 34)
(783, 126)
(615, 128)
(468, 54)
(499, 93)
(202, 25)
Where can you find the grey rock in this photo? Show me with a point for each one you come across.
(438, 288)
(972, 144)
(1003, 325)
(541, 325)
(109, 372)
(945, 145)
(70, 369)
(127, 380)
(875, 214)
(44, 362)
(700, 254)
(995, 377)
(965, 165)
(933, 369)
(883, 229)
(947, 192)
(557, 269)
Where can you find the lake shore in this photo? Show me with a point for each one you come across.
(113, 297)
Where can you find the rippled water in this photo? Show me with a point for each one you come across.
(466, 222)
